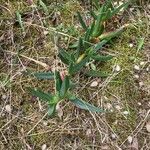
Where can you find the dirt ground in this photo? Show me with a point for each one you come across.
(125, 94)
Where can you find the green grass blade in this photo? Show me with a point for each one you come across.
(40, 94)
(95, 73)
(86, 106)
(42, 4)
(141, 43)
(82, 21)
(20, 20)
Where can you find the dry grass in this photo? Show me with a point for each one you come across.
(126, 97)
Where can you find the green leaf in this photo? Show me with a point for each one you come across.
(43, 75)
(99, 27)
(100, 44)
(20, 20)
(82, 21)
(58, 81)
(38, 93)
(86, 106)
(112, 34)
(87, 35)
(64, 56)
(75, 68)
(42, 4)
(74, 45)
(80, 48)
(64, 87)
(108, 5)
(115, 11)
(102, 58)
(141, 43)
(51, 109)
(92, 28)
(95, 73)
(107, 15)
(96, 4)
(93, 14)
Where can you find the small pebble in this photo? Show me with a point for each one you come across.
(139, 104)
(117, 68)
(109, 106)
(130, 139)
(147, 69)
(8, 108)
(136, 76)
(130, 45)
(126, 113)
(66, 39)
(46, 32)
(148, 126)
(141, 84)
(94, 84)
(142, 63)
(45, 123)
(113, 136)
(4, 96)
(88, 132)
(136, 67)
(118, 107)
(44, 146)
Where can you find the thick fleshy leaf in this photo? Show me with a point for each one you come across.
(96, 4)
(80, 48)
(116, 10)
(74, 45)
(43, 75)
(82, 21)
(70, 69)
(102, 58)
(51, 109)
(40, 94)
(58, 81)
(98, 29)
(113, 34)
(64, 56)
(100, 44)
(92, 29)
(87, 35)
(95, 73)
(108, 5)
(86, 106)
(93, 14)
(64, 87)
(77, 67)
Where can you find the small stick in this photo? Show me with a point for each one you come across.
(31, 59)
